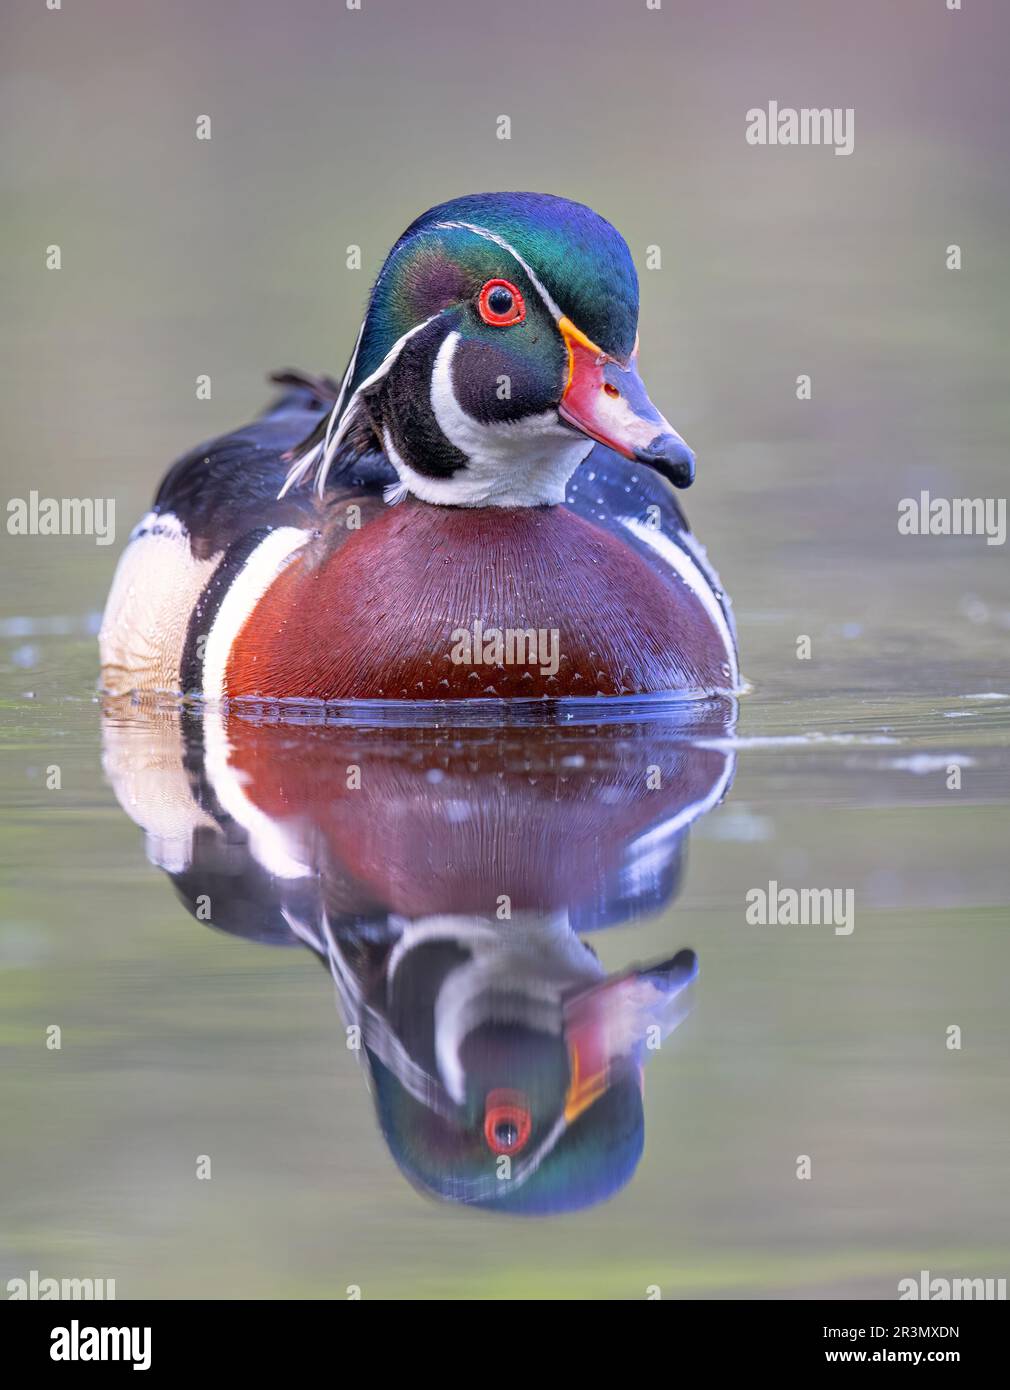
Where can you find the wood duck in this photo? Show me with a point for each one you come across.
(447, 887)
(483, 507)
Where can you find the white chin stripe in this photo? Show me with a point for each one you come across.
(525, 463)
(247, 588)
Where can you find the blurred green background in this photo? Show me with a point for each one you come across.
(180, 257)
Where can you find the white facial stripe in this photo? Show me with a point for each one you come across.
(391, 451)
(298, 471)
(521, 463)
(338, 406)
(338, 438)
(463, 1002)
(695, 580)
(534, 279)
(322, 455)
(247, 588)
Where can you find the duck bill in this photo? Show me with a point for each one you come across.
(608, 402)
(608, 1024)
(601, 1034)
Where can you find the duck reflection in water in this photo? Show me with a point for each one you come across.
(446, 877)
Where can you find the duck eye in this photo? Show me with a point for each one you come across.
(500, 304)
(506, 1132)
(507, 1121)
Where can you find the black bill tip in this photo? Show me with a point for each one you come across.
(669, 455)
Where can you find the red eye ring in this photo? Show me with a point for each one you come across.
(509, 1110)
(500, 317)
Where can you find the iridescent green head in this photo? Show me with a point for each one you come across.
(500, 343)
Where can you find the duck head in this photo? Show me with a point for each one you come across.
(507, 1074)
(499, 345)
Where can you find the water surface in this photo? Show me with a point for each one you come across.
(180, 1039)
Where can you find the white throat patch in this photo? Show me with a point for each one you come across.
(525, 463)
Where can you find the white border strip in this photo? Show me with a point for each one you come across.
(247, 588)
(695, 580)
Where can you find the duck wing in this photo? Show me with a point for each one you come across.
(227, 487)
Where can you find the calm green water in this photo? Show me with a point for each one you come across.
(179, 1040)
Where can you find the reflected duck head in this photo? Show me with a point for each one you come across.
(523, 1091)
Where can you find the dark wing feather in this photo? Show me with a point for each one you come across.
(228, 487)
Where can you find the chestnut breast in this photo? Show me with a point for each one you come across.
(429, 602)
(547, 834)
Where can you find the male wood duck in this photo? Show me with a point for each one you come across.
(492, 512)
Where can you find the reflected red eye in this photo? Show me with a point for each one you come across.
(501, 304)
(507, 1121)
